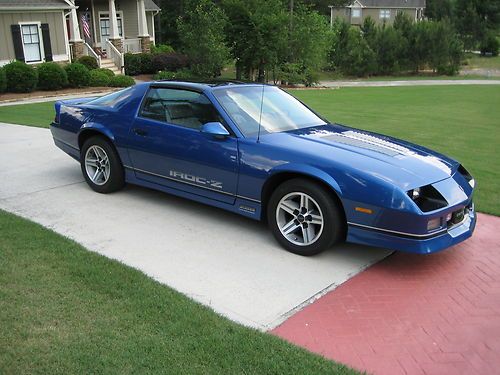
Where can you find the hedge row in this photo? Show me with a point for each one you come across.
(18, 76)
(149, 63)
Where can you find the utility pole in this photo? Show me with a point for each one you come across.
(291, 15)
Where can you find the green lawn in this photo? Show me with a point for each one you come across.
(65, 310)
(460, 121)
(481, 62)
(36, 114)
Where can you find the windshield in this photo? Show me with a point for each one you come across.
(280, 111)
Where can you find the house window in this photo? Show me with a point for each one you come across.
(31, 43)
(356, 13)
(106, 26)
(385, 13)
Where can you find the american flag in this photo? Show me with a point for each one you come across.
(85, 25)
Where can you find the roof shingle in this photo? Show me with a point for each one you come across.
(393, 3)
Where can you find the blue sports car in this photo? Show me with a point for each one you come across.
(257, 151)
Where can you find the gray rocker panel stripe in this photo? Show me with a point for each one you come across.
(190, 183)
(67, 144)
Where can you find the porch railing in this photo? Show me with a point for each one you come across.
(115, 55)
(89, 51)
(132, 45)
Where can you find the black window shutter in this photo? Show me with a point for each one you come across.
(18, 42)
(47, 47)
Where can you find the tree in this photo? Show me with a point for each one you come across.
(171, 10)
(404, 25)
(420, 41)
(257, 33)
(309, 40)
(446, 48)
(339, 44)
(369, 30)
(475, 19)
(390, 48)
(439, 9)
(201, 33)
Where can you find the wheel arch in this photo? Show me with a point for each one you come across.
(312, 174)
(92, 129)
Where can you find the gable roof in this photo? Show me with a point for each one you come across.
(149, 5)
(33, 4)
(392, 3)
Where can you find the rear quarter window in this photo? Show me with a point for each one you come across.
(114, 99)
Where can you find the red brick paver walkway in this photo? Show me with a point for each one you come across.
(413, 314)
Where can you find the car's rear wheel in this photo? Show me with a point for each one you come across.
(304, 217)
(101, 165)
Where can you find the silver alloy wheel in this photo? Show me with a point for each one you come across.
(299, 218)
(97, 165)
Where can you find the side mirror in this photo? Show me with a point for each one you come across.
(215, 129)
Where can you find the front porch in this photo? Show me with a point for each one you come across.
(106, 29)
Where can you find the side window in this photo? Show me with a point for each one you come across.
(180, 107)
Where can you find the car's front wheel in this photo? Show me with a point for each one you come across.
(101, 165)
(304, 217)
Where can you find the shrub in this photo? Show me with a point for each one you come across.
(311, 77)
(121, 81)
(89, 61)
(490, 45)
(161, 48)
(291, 73)
(21, 77)
(132, 64)
(180, 75)
(106, 71)
(51, 76)
(99, 78)
(170, 61)
(78, 75)
(3, 80)
(146, 61)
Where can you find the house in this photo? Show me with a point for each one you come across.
(35, 31)
(381, 11)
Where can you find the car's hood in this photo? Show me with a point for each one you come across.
(403, 163)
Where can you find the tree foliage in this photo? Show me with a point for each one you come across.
(201, 33)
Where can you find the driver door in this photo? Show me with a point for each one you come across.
(166, 145)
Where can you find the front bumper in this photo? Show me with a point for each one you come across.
(420, 245)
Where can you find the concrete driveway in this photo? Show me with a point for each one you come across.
(222, 260)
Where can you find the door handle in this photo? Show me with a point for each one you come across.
(140, 132)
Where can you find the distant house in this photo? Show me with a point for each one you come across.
(35, 31)
(379, 10)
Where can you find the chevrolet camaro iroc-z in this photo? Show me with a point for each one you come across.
(257, 151)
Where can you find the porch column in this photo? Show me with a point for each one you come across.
(114, 35)
(143, 27)
(75, 38)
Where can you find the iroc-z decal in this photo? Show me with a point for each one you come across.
(196, 179)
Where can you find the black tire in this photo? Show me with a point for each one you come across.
(116, 179)
(333, 217)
